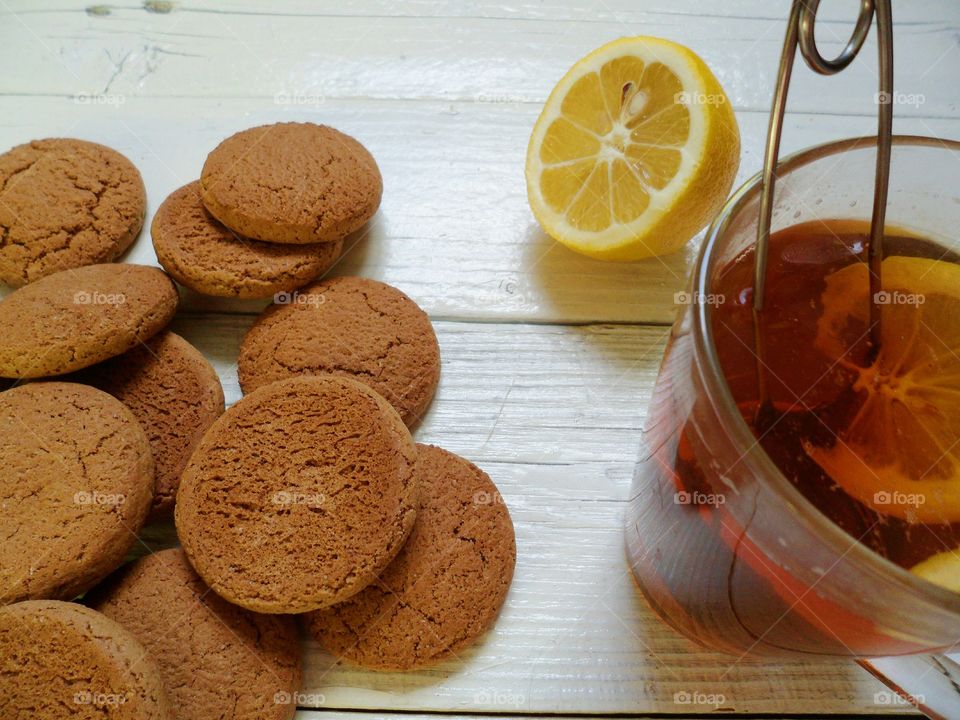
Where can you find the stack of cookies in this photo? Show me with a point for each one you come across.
(308, 497)
(270, 211)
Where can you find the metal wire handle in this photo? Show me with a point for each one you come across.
(801, 27)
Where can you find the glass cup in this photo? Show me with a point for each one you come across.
(723, 546)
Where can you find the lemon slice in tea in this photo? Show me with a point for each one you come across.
(942, 569)
(634, 152)
(900, 453)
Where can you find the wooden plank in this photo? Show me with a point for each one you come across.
(445, 50)
(455, 230)
(503, 386)
(348, 715)
(445, 93)
(553, 413)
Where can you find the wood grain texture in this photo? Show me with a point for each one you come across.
(447, 50)
(454, 230)
(553, 414)
(548, 358)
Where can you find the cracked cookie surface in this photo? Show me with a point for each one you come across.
(298, 495)
(76, 487)
(75, 318)
(65, 203)
(351, 327)
(216, 655)
(291, 183)
(445, 587)
(175, 395)
(64, 661)
(206, 256)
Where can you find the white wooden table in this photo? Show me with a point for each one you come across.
(548, 358)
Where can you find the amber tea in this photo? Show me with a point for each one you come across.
(869, 435)
(866, 434)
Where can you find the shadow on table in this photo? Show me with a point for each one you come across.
(612, 303)
(575, 288)
(356, 248)
(323, 672)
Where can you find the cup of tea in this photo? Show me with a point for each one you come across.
(816, 512)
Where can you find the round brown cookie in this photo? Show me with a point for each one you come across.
(212, 655)
(445, 587)
(298, 495)
(65, 203)
(291, 183)
(206, 256)
(175, 395)
(76, 486)
(63, 660)
(75, 318)
(351, 327)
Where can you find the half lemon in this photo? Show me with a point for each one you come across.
(635, 151)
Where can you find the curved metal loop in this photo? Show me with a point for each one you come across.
(808, 41)
(800, 32)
